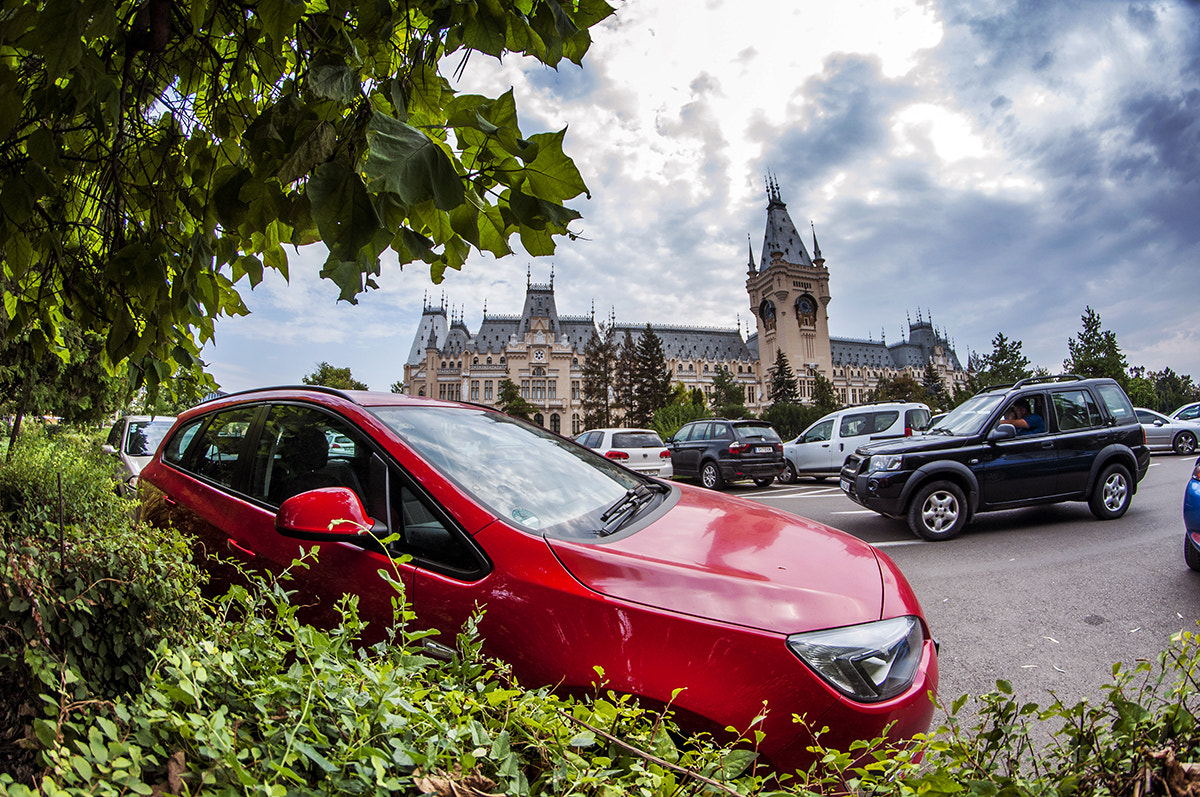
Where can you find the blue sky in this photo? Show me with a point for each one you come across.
(996, 165)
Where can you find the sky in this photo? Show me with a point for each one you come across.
(996, 166)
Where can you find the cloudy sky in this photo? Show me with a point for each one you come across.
(996, 165)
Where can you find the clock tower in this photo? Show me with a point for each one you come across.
(789, 294)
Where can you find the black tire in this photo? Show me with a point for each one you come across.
(1112, 493)
(789, 473)
(1190, 554)
(766, 481)
(1184, 443)
(710, 476)
(938, 511)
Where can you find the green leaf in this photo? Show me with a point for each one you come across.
(335, 82)
(407, 162)
(342, 210)
(279, 17)
(552, 175)
(46, 732)
(314, 149)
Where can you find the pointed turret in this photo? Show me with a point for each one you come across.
(750, 270)
(818, 260)
(781, 242)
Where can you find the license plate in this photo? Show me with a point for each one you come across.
(763, 449)
(845, 485)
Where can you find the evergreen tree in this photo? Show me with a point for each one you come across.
(1173, 390)
(728, 398)
(599, 365)
(785, 388)
(936, 394)
(1006, 364)
(1095, 351)
(652, 383)
(625, 376)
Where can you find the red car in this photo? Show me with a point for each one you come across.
(579, 562)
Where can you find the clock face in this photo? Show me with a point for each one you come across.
(539, 355)
(806, 306)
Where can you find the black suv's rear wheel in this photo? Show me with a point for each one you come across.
(1112, 493)
(765, 481)
(710, 476)
(938, 511)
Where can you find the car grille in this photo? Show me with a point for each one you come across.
(849, 473)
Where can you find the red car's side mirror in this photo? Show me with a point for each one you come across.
(327, 514)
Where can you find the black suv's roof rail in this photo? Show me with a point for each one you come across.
(1032, 381)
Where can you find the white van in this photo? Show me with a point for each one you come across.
(820, 451)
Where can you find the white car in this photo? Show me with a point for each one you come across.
(133, 441)
(641, 450)
(822, 448)
(1171, 434)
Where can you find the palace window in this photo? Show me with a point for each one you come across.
(575, 390)
(474, 390)
(487, 390)
(555, 423)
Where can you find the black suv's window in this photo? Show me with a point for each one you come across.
(753, 431)
(301, 449)
(693, 431)
(1076, 409)
(719, 431)
(1116, 401)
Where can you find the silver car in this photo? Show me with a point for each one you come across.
(1168, 434)
(133, 441)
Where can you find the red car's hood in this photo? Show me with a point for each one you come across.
(738, 562)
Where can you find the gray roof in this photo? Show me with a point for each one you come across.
(781, 241)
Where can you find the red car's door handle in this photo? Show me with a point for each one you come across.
(241, 548)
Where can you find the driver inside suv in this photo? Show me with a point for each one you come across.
(1022, 415)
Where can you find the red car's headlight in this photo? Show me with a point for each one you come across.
(868, 662)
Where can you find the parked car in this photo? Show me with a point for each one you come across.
(1083, 443)
(1191, 520)
(719, 451)
(638, 449)
(709, 603)
(1188, 412)
(822, 448)
(132, 441)
(1167, 433)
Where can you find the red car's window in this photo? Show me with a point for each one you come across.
(301, 449)
(220, 445)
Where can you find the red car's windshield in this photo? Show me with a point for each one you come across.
(522, 473)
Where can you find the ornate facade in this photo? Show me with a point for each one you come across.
(542, 352)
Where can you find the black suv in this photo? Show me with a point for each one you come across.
(720, 451)
(1079, 441)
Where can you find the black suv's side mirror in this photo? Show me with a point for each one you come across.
(1005, 431)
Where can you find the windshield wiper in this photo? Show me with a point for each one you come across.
(940, 430)
(627, 506)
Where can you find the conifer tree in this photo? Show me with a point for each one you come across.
(652, 383)
(625, 375)
(1095, 351)
(599, 366)
(785, 388)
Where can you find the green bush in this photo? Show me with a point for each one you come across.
(63, 472)
(789, 420)
(83, 604)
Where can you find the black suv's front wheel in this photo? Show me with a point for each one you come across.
(1112, 493)
(938, 511)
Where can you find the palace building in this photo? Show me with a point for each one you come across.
(788, 290)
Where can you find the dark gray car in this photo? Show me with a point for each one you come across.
(717, 451)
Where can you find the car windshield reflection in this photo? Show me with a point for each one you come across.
(970, 416)
(522, 473)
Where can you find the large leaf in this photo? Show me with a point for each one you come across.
(342, 210)
(407, 162)
(552, 175)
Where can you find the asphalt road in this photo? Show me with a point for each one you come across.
(1047, 598)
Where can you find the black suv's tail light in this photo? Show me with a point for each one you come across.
(738, 448)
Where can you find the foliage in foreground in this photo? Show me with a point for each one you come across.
(243, 698)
